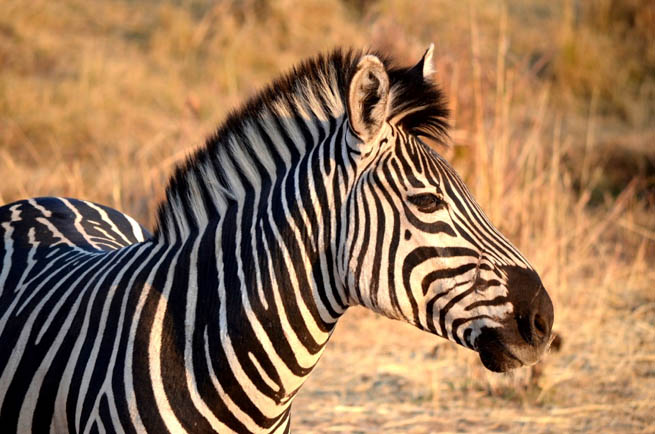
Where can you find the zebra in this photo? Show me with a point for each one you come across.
(318, 194)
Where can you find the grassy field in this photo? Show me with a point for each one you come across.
(553, 114)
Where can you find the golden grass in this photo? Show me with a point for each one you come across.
(99, 100)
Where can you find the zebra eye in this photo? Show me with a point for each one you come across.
(427, 202)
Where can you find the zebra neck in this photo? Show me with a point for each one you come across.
(268, 292)
(257, 211)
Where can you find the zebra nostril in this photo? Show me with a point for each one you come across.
(539, 326)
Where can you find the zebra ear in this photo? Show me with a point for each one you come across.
(425, 67)
(368, 98)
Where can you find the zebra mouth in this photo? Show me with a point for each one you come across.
(495, 355)
(500, 361)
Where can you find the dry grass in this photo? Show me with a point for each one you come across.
(553, 112)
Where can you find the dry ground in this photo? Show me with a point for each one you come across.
(553, 113)
(378, 375)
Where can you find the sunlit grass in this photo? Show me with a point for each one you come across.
(552, 118)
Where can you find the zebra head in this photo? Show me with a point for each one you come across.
(416, 245)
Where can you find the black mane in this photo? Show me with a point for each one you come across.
(417, 105)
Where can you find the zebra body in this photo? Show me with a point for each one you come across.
(316, 196)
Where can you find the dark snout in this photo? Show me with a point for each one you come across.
(525, 335)
(533, 309)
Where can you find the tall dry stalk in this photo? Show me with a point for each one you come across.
(481, 161)
(501, 114)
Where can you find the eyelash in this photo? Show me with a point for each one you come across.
(427, 202)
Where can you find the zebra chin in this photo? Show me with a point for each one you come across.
(501, 353)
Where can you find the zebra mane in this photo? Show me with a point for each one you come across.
(315, 90)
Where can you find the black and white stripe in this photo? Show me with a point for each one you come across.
(317, 195)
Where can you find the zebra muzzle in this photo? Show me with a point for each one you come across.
(524, 336)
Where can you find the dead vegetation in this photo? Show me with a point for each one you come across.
(553, 107)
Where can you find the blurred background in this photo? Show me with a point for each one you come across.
(553, 128)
